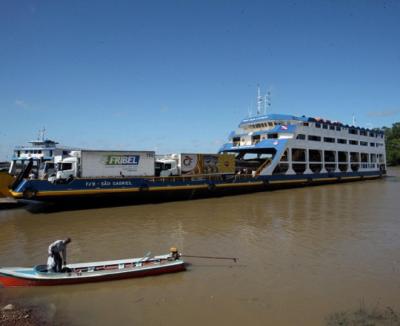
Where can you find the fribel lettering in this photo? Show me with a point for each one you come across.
(122, 160)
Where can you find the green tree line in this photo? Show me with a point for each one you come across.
(392, 136)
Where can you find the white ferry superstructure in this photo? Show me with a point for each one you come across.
(278, 144)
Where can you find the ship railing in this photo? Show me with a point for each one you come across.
(189, 178)
(220, 177)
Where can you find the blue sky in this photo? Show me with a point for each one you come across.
(176, 76)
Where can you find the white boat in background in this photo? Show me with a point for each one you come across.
(42, 152)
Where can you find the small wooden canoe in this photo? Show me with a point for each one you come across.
(92, 272)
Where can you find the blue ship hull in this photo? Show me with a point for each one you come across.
(195, 185)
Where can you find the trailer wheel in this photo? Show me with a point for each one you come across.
(29, 193)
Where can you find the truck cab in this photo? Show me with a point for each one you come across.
(67, 168)
(167, 168)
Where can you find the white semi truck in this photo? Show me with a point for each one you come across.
(100, 163)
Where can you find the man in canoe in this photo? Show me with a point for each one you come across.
(55, 260)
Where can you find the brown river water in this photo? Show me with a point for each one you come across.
(303, 253)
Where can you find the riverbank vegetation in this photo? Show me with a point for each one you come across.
(392, 136)
(364, 316)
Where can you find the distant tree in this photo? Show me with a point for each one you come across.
(392, 136)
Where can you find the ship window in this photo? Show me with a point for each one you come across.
(18, 153)
(364, 157)
(324, 126)
(338, 128)
(305, 124)
(298, 155)
(317, 125)
(329, 156)
(332, 127)
(342, 141)
(363, 143)
(255, 139)
(372, 144)
(329, 140)
(363, 133)
(271, 124)
(40, 152)
(314, 155)
(272, 136)
(353, 142)
(353, 131)
(342, 156)
(314, 138)
(301, 136)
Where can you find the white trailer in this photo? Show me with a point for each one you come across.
(195, 164)
(101, 163)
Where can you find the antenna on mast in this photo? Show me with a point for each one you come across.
(41, 134)
(267, 101)
(259, 100)
(354, 120)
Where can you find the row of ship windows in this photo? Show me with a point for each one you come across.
(339, 140)
(30, 152)
(38, 151)
(353, 131)
(267, 124)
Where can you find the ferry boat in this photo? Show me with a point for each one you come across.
(41, 151)
(268, 151)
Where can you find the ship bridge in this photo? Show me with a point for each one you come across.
(270, 120)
